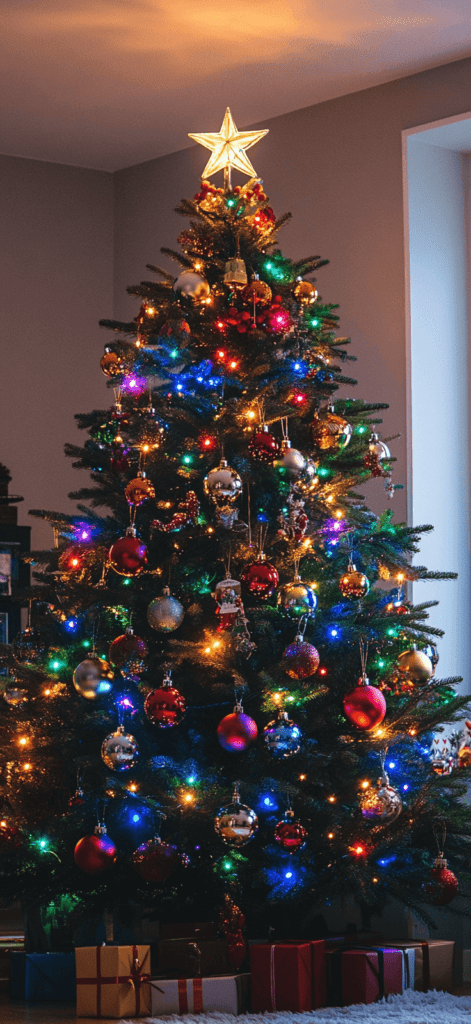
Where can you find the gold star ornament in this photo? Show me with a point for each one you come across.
(228, 149)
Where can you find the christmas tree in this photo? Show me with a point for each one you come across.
(223, 666)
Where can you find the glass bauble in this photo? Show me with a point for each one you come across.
(237, 731)
(127, 653)
(28, 646)
(111, 363)
(263, 447)
(260, 578)
(139, 490)
(155, 860)
(93, 678)
(119, 750)
(222, 484)
(354, 584)
(192, 285)
(443, 885)
(290, 460)
(94, 854)
(282, 736)
(381, 803)
(175, 332)
(14, 695)
(415, 665)
(364, 706)
(165, 706)
(305, 293)
(165, 613)
(236, 823)
(377, 452)
(257, 293)
(330, 432)
(297, 598)
(300, 659)
(290, 834)
(128, 555)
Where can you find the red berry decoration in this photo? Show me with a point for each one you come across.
(261, 578)
(94, 854)
(128, 555)
(11, 837)
(364, 706)
(263, 447)
(127, 648)
(165, 706)
(154, 861)
(237, 731)
(443, 884)
(290, 833)
(300, 659)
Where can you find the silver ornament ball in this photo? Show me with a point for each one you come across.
(236, 823)
(380, 804)
(291, 460)
(222, 484)
(93, 678)
(165, 613)
(297, 597)
(193, 285)
(282, 736)
(119, 750)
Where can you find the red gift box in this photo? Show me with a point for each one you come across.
(281, 976)
(318, 970)
(362, 975)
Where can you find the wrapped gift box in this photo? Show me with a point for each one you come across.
(318, 971)
(227, 994)
(433, 963)
(362, 975)
(113, 981)
(281, 976)
(42, 976)
(193, 957)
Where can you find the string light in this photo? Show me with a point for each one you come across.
(302, 777)
(331, 799)
(23, 741)
(27, 766)
(365, 784)
(330, 835)
(132, 787)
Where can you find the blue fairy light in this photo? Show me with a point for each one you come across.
(392, 764)
(334, 633)
(71, 625)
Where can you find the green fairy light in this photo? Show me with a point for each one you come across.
(187, 459)
(391, 632)
(361, 430)
(174, 353)
(126, 580)
(55, 665)
(227, 865)
(381, 664)
(322, 471)
(86, 643)
(315, 322)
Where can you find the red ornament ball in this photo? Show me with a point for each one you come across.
(300, 659)
(126, 648)
(94, 854)
(263, 447)
(443, 884)
(237, 731)
(77, 800)
(128, 556)
(261, 578)
(290, 833)
(364, 706)
(119, 462)
(154, 861)
(165, 706)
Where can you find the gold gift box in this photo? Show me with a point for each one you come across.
(112, 981)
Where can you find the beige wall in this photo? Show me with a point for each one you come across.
(56, 242)
(337, 167)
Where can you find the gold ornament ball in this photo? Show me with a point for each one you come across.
(415, 665)
(193, 285)
(139, 490)
(305, 292)
(257, 292)
(329, 431)
(112, 364)
(354, 584)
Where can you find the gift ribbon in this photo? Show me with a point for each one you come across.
(135, 978)
(197, 995)
(273, 972)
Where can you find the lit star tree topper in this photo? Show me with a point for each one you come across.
(228, 149)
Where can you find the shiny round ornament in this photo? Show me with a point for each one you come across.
(93, 678)
(330, 432)
(263, 447)
(139, 490)
(282, 736)
(380, 804)
(443, 885)
(236, 823)
(165, 613)
(119, 750)
(290, 834)
(223, 484)
(28, 646)
(192, 285)
(165, 706)
(415, 665)
(305, 293)
(354, 584)
(431, 650)
(290, 460)
(14, 695)
(112, 364)
(155, 860)
(94, 854)
(128, 555)
(175, 332)
(297, 598)
(261, 578)
(300, 659)
(378, 452)
(364, 706)
(464, 756)
(257, 293)
(237, 731)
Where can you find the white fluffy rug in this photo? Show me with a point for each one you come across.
(410, 1008)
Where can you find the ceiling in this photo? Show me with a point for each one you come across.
(111, 83)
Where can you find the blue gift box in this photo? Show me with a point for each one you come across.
(46, 976)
